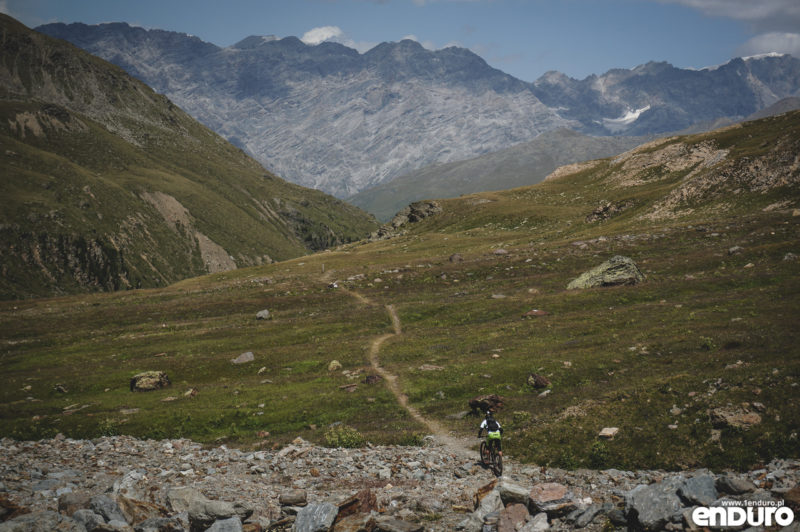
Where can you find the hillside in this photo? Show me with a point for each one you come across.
(523, 164)
(331, 118)
(326, 116)
(108, 185)
(387, 341)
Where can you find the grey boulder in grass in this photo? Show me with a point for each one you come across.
(617, 270)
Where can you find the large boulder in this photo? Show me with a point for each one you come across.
(316, 517)
(202, 511)
(733, 416)
(512, 517)
(136, 511)
(45, 521)
(483, 403)
(652, 506)
(511, 493)
(149, 381)
(107, 507)
(617, 270)
(9, 509)
(363, 502)
(88, 518)
(231, 524)
(244, 358)
(732, 485)
(552, 498)
(699, 490)
(293, 497)
(538, 381)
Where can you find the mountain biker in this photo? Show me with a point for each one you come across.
(493, 431)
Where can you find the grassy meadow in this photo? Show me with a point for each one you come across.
(715, 324)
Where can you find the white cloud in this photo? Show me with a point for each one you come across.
(335, 34)
(786, 43)
(765, 15)
(740, 9)
(322, 34)
(773, 22)
(4, 7)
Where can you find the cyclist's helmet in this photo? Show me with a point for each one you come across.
(489, 414)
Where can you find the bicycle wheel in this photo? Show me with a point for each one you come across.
(497, 462)
(485, 456)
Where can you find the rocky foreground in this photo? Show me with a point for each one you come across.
(125, 484)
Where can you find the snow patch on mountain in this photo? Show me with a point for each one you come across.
(618, 124)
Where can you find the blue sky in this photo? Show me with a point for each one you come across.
(524, 38)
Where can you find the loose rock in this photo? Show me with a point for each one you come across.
(149, 381)
(244, 358)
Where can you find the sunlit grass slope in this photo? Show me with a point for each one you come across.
(713, 326)
(107, 185)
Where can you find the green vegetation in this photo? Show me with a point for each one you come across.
(343, 436)
(714, 325)
(107, 185)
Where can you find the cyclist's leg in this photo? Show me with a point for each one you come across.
(493, 445)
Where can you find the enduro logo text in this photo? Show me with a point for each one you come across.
(750, 513)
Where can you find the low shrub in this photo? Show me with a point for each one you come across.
(343, 436)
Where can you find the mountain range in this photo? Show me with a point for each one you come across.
(328, 117)
(108, 185)
(526, 163)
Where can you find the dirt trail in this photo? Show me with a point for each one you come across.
(440, 433)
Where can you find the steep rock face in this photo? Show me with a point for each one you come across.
(108, 185)
(328, 117)
(659, 98)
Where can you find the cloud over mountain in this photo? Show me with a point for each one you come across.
(322, 34)
(776, 41)
(335, 34)
(775, 22)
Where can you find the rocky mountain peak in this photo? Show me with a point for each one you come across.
(254, 41)
(329, 117)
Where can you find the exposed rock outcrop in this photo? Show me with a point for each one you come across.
(149, 381)
(618, 270)
(416, 212)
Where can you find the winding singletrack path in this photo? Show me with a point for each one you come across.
(441, 434)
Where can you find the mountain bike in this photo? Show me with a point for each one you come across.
(490, 457)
